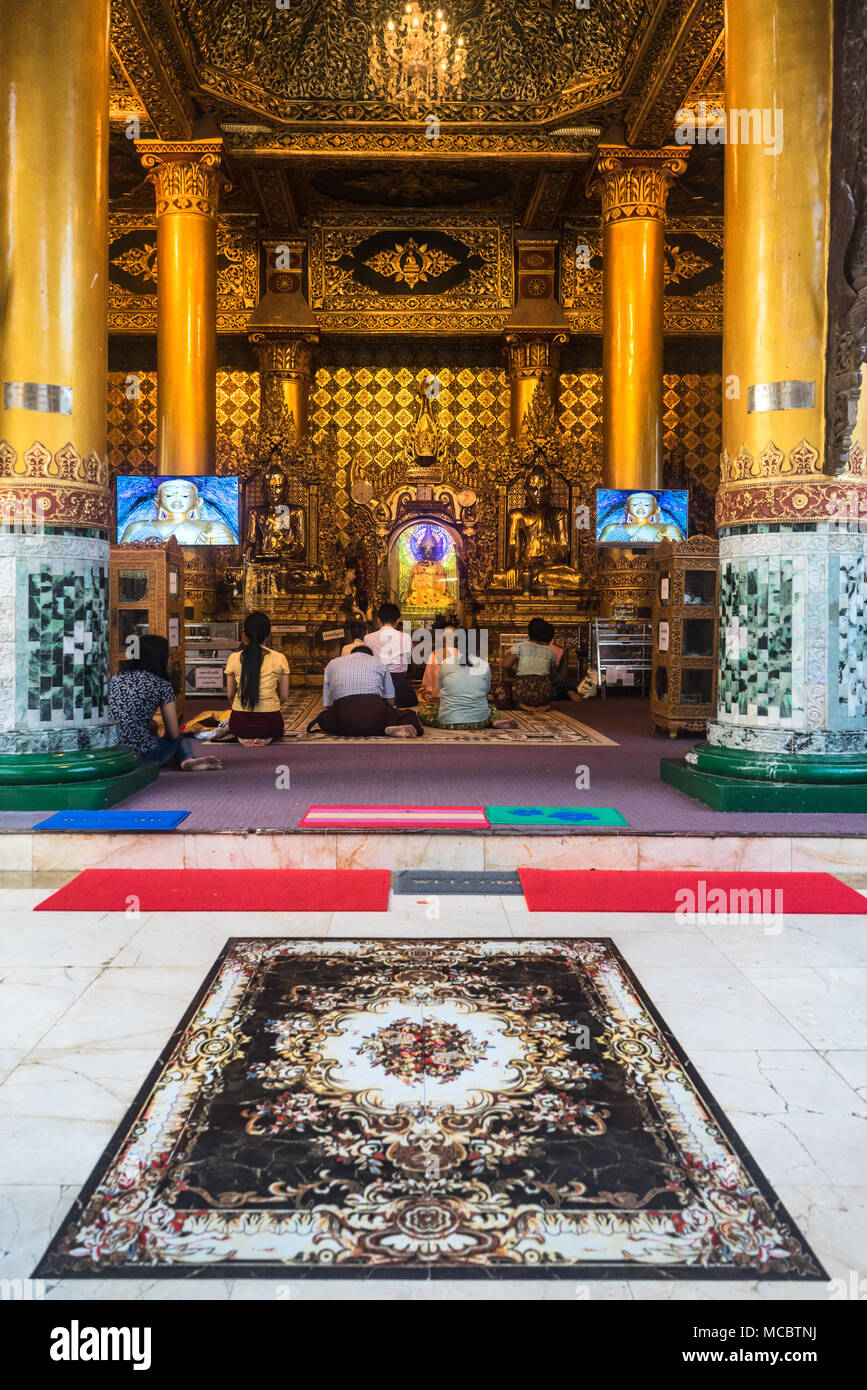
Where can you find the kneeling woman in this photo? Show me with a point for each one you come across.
(139, 689)
(464, 682)
(257, 681)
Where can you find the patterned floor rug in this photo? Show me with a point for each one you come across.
(548, 726)
(434, 1108)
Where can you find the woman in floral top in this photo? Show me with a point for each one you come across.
(139, 689)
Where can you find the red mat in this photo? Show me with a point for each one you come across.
(686, 891)
(223, 890)
(397, 817)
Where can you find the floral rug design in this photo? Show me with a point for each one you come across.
(428, 1108)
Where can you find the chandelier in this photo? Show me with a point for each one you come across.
(421, 67)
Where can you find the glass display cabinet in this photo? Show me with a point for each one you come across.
(685, 635)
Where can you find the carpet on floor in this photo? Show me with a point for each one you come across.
(545, 726)
(687, 892)
(114, 821)
(396, 817)
(426, 1108)
(223, 890)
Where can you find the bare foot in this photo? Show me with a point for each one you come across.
(255, 742)
(201, 765)
(505, 724)
(401, 731)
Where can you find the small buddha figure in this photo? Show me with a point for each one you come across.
(538, 539)
(643, 522)
(428, 584)
(178, 513)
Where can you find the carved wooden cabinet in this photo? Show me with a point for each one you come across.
(147, 596)
(685, 634)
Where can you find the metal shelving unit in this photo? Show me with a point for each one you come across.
(622, 645)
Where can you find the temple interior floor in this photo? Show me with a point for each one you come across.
(270, 788)
(774, 1023)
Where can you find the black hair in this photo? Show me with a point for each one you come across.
(153, 656)
(362, 648)
(257, 626)
(540, 631)
(465, 646)
(356, 630)
(389, 613)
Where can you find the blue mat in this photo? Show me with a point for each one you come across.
(554, 815)
(113, 820)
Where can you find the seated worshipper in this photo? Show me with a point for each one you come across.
(534, 663)
(445, 639)
(464, 682)
(356, 639)
(257, 681)
(358, 695)
(394, 649)
(139, 689)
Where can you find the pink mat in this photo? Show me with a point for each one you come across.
(397, 817)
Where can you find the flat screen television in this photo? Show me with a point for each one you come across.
(631, 518)
(201, 510)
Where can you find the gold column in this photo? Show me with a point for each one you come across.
(54, 256)
(285, 332)
(187, 180)
(775, 304)
(633, 186)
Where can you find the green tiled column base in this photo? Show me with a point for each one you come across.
(83, 780)
(753, 794)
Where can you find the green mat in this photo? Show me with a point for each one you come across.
(587, 817)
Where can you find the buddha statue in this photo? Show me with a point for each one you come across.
(428, 584)
(537, 547)
(178, 513)
(642, 522)
(276, 537)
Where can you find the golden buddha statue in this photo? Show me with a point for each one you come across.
(428, 583)
(179, 514)
(643, 522)
(537, 547)
(276, 538)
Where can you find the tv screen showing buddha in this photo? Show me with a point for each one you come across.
(197, 511)
(637, 518)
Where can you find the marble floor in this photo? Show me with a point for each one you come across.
(775, 1022)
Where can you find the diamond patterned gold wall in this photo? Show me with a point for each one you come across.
(372, 408)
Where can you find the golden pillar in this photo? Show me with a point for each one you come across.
(536, 331)
(285, 333)
(633, 186)
(187, 180)
(54, 249)
(57, 746)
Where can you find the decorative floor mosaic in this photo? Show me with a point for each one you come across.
(426, 1108)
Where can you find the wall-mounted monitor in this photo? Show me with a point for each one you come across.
(632, 518)
(201, 510)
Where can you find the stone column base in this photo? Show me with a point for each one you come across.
(741, 793)
(82, 781)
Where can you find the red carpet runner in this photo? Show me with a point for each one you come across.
(686, 891)
(223, 890)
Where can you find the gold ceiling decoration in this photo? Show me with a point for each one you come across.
(408, 263)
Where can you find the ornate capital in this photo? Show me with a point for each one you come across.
(533, 354)
(290, 356)
(60, 489)
(185, 174)
(634, 183)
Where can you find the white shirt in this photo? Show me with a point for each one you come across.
(393, 648)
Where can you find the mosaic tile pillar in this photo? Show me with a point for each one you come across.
(57, 747)
(791, 725)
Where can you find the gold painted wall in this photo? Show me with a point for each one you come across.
(371, 408)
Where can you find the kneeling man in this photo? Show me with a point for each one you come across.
(358, 695)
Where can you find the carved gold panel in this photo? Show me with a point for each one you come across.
(693, 275)
(446, 274)
(132, 271)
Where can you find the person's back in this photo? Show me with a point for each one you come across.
(357, 673)
(274, 665)
(134, 696)
(534, 659)
(463, 691)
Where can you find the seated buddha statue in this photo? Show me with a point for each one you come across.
(276, 536)
(537, 546)
(642, 521)
(428, 584)
(178, 513)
